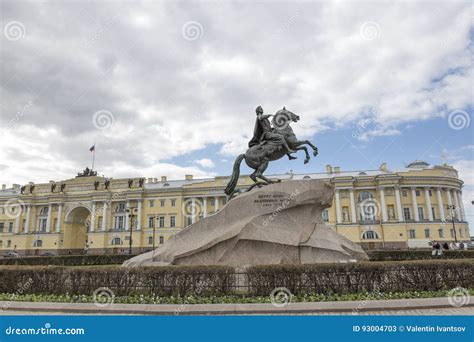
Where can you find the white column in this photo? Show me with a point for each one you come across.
(440, 205)
(461, 206)
(428, 204)
(58, 222)
(92, 223)
(28, 213)
(204, 207)
(399, 205)
(193, 210)
(104, 216)
(382, 204)
(48, 219)
(353, 207)
(139, 216)
(18, 219)
(338, 207)
(457, 211)
(414, 205)
(448, 195)
(127, 213)
(216, 201)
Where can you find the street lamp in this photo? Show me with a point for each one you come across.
(452, 209)
(130, 212)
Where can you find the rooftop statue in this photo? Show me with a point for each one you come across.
(271, 141)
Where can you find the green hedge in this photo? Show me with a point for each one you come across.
(383, 277)
(417, 255)
(160, 281)
(68, 260)
(363, 277)
(84, 260)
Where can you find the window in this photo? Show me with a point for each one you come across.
(427, 233)
(42, 224)
(325, 215)
(370, 235)
(189, 221)
(433, 212)
(420, 213)
(2, 225)
(213, 201)
(116, 241)
(364, 195)
(173, 203)
(441, 233)
(417, 192)
(172, 221)
(152, 203)
(150, 240)
(9, 243)
(99, 222)
(412, 234)
(430, 193)
(38, 243)
(406, 214)
(120, 208)
(10, 227)
(162, 240)
(224, 201)
(151, 221)
(44, 211)
(119, 223)
(162, 203)
(161, 221)
(404, 193)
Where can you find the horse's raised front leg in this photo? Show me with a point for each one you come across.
(315, 149)
(305, 149)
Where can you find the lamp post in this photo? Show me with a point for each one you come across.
(452, 209)
(130, 212)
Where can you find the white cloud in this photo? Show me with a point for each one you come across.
(205, 162)
(171, 96)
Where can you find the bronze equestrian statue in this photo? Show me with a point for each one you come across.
(270, 141)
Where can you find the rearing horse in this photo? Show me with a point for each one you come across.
(258, 156)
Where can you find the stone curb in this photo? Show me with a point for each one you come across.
(349, 307)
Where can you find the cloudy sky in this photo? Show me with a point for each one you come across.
(170, 87)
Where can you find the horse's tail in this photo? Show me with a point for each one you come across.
(235, 176)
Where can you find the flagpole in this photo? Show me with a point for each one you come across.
(93, 158)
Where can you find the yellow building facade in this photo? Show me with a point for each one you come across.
(380, 209)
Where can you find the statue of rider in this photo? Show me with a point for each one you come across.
(263, 132)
